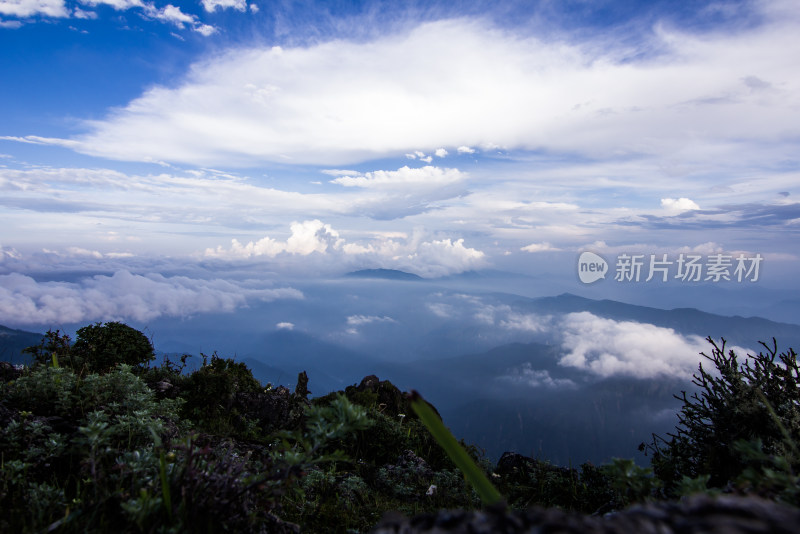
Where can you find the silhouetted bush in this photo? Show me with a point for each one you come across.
(744, 418)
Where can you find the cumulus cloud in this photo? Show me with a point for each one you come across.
(29, 8)
(249, 106)
(440, 153)
(285, 326)
(678, 205)
(600, 346)
(437, 257)
(123, 296)
(445, 256)
(466, 150)
(606, 347)
(427, 176)
(306, 238)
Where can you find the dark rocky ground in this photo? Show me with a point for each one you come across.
(695, 515)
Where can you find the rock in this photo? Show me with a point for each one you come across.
(695, 515)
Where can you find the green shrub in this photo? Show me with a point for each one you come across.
(103, 346)
(757, 401)
(98, 348)
(209, 394)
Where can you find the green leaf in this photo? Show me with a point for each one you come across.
(487, 492)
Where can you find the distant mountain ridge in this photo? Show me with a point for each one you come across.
(13, 341)
(746, 331)
(384, 274)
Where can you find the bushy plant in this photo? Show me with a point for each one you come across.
(98, 348)
(755, 401)
(103, 346)
(210, 391)
(64, 447)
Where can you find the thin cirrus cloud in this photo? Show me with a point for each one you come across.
(123, 296)
(441, 85)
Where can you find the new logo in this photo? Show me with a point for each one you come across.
(591, 267)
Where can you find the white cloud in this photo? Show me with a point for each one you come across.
(29, 8)
(443, 257)
(358, 320)
(535, 378)
(123, 296)
(703, 248)
(425, 176)
(340, 172)
(678, 205)
(8, 253)
(311, 236)
(204, 29)
(306, 238)
(285, 326)
(119, 5)
(539, 247)
(441, 309)
(526, 322)
(212, 5)
(200, 198)
(37, 140)
(10, 24)
(606, 347)
(169, 14)
(466, 150)
(79, 13)
(576, 97)
(77, 251)
(174, 15)
(414, 254)
(440, 153)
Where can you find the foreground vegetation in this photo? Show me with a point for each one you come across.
(95, 438)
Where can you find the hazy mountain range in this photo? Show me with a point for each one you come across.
(561, 377)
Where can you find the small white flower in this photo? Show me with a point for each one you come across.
(431, 490)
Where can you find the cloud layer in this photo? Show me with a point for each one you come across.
(123, 296)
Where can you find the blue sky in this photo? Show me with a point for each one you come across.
(208, 139)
